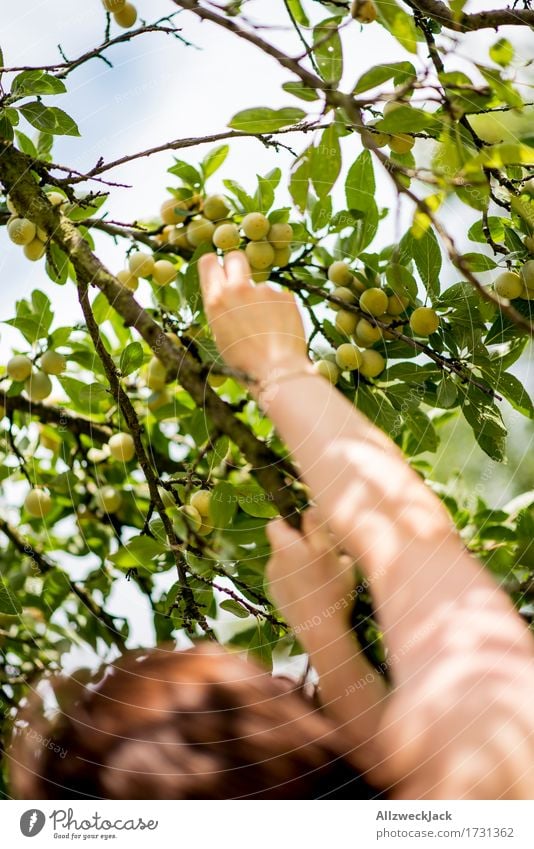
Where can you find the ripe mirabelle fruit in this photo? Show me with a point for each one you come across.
(280, 235)
(340, 274)
(19, 367)
(21, 231)
(378, 138)
(328, 369)
(55, 198)
(346, 322)
(215, 208)
(216, 380)
(122, 447)
(179, 239)
(192, 516)
(127, 279)
(260, 276)
(226, 237)
(364, 11)
(200, 230)
(527, 274)
(156, 376)
(38, 503)
(528, 242)
(127, 16)
(401, 143)
(367, 333)
(424, 321)
(260, 254)
(34, 250)
(114, 5)
(11, 206)
(374, 301)
(255, 226)
(397, 304)
(52, 362)
(171, 211)
(281, 257)
(508, 285)
(201, 500)
(343, 294)
(373, 364)
(108, 499)
(141, 264)
(164, 272)
(157, 400)
(348, 357)
(38, 386)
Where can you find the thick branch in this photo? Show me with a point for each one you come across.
(462, 22)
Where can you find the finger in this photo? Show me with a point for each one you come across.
(237, 270)
(212, 279)
(316, 532)
(282, 537)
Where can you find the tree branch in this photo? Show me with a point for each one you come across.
(463, 22)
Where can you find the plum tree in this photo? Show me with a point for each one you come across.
(255, 226)
(38, 386)
(364, 11)
(508, 285)
(374, 301)
(126, 16)
(200, 230)
(38, 503)
(19, 367)
(345, 212)
(372, 364)
(52, 362)
(348, 357)
(328, 369)
(226, 237)
(122, 447)
(164, 272)
(424, 321)
(260, 254)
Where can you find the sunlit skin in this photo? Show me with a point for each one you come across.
(458, 721)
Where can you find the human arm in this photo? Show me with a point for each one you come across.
(440, 613)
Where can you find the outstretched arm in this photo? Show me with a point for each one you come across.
(443, 618)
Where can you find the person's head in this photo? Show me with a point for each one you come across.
(162, 724)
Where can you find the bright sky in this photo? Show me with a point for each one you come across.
(159, 90)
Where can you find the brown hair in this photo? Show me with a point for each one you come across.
(162, 724)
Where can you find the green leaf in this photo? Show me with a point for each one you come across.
(495, 227)
(427, 256)
(9, 604)
(398, 23)
(131, 358)
(298, 12)
(328, 49)
(479, 262)
(502, 52)
(49, 119)
(360, 186)
(191, 280)
(187, 173)
(232, 606)
(57, 264)
(300, 90)
(300, 181)
(214, 159)
(261, 119)
(513, 390)
(6, 127)
(36, 82)
(487, 424)
(138, 552)
(401, 72)
(502, 88)
(223, 504)
(406, 119)
(326, 162)
(401, 280)
(26, 144)
(254, 501)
